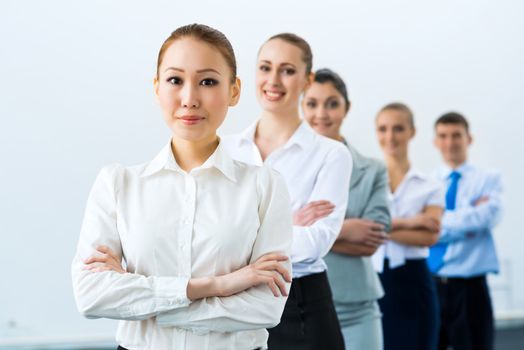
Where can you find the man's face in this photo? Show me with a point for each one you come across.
(452, 140)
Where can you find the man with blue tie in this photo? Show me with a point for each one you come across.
(465, 253)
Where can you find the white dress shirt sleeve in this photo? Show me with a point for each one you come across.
(111, 294)
(468, 220)
(256, 307)
(311, 243)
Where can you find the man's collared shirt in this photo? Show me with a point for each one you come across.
(315, 168)
(468, 229)
(170, 225)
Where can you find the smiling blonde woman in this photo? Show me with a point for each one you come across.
(315, 168)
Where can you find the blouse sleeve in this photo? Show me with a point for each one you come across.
(111, 294)
(256, 307)
(437, 195)
(311, 243)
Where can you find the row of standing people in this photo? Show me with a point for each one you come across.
(217, 272)
(436, 297)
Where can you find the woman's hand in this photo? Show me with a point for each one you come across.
(362, 231)
(426, 222)
(105, 261)
(266, 270)
(311, 212)
(421, 221)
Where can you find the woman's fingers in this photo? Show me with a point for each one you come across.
(106, 250)
(312, 212)
(97, 263)
(316, 203)
(99, 266)
(376, 238)
(315, 214)
(97, 258)
(376, 226)
(275, 266)
(272, 256)
(315, 208)
(275, 282)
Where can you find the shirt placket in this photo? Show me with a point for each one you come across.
(187, 224)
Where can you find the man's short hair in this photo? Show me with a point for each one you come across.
(453, 118)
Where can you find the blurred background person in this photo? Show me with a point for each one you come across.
(466, 252)
(354, 282)
(409, 306)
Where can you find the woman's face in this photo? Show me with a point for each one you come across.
(324, 109)
(394, 132)
(194, 89)
(281, 76)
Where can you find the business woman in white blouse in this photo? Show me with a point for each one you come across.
(409, 307)
(316, 169)
(205, 239)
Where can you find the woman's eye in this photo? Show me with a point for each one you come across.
(209, 82)
(311, 104)
(264, 68)
(332, 105)
(288, 71)
(174, 80)
(382, 129)
(398, 128)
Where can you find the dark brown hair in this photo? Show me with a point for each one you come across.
(453, 118)
(209, 36)
(399, 107)
(326, 75)
(295, 40)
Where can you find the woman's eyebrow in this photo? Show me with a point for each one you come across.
(205, 70)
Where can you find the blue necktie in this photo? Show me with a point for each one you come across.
(437, 252)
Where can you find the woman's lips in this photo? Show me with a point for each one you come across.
(322, 125)
(273, 95)
(190, 119)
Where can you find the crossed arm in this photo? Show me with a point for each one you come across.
(240, 300)
(358, 236)
(483, 213)
(421, 230)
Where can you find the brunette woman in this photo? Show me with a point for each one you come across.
(355, 284)
(205, 267)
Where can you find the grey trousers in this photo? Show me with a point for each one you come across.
(361, 326)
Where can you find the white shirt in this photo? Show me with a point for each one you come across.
(315, 168)
(171, 225)
(416, 192)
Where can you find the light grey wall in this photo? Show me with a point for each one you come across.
(76, 93)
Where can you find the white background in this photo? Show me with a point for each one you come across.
(76, 93)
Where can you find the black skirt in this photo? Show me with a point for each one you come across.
(309, 320)
(410, 318)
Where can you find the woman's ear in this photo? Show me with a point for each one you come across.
(155, 87)
(348, 108)
(413, 132)
(235, 92)
(310, 79)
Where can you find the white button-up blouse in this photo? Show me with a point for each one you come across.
(314, 168)
(416, 192)
(169, 226)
